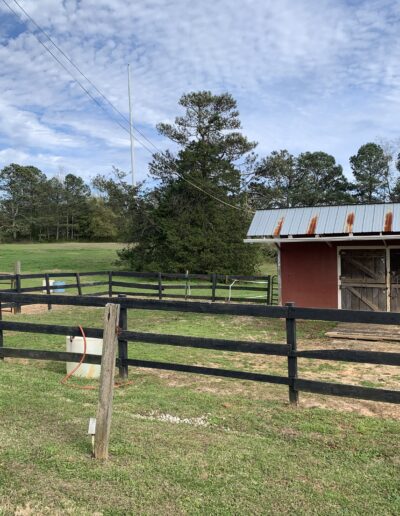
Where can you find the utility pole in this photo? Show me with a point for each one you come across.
(131, 126)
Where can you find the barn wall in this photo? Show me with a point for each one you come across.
(309, 274)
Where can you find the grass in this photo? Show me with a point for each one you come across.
(188, 444)
(66, 257)
(85, 257)
(185, 444)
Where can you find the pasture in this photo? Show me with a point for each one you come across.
(185, 444)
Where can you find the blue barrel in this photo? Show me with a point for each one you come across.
(58, 284)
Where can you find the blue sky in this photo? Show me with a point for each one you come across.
(307, 75)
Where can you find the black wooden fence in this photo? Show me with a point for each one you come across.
(160, 285)
(288, 350)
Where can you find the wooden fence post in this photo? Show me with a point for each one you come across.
(48, 291)
(159, 285)
(110, 285)
(122, 343)
(292, 358)
(1, 331)
(78, 283)
(269, 290)
(17, 272)
(104, 410)
(213, 286)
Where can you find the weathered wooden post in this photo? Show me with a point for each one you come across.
(104, 410)
(213, 286)
(17, 272)
(48, 291)
(1, 331)
(269, 290)
(78, 283)
(160, 285)
(110, 285)
(292, 358)
(122, 343)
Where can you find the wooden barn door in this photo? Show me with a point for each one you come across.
(363, 279)
(395, 280)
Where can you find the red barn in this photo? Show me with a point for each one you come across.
(335, 256)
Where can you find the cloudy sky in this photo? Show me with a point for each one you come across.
(307, 75)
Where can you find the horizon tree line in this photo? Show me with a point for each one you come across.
(197, 214)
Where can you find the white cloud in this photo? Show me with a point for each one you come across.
(307, 74)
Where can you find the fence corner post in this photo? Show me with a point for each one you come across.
(106, 391)
(292, 356)
(122, 343)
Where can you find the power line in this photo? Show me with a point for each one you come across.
(81, 73)
(105, 98)
(77, 80)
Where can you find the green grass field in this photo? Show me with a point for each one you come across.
(66, 257)
(89, 257)
(188, 444)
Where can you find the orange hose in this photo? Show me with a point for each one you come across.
(78, 365)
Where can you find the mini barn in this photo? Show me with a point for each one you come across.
(335, 256)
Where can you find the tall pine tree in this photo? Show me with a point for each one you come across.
(185, 224)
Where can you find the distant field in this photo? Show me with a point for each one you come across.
(67, 257)
(71, 257)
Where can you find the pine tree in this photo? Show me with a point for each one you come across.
(186, 225)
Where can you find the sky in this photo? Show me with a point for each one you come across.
(308, 75)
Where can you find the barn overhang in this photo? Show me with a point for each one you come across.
(315, 239)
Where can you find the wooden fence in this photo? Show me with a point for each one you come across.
(289, 350)
(160, 285)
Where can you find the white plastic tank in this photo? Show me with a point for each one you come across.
(93, 347)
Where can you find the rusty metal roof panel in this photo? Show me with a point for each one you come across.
(327, 220)
(359, 216)
(289, 223)
(396, 218)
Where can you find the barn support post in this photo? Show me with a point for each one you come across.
(292, 358)
(104, 410)
(122, 343)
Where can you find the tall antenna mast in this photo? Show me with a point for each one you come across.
(131, 126)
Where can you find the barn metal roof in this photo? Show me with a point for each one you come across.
(351, 219)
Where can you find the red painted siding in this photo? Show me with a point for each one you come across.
(309, 274)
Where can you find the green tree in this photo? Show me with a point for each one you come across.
(372, 173)
(395, 193)
(321, 180)
(102, 221)
(76, 194)
(20, 200)
(282, 180)
(122, 199)
(276, 182)
(186, 226)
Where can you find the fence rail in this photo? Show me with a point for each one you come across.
(289, 350)
(237, 288)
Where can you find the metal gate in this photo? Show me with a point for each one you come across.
(363, 279)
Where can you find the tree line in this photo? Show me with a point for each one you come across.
(198, 212)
